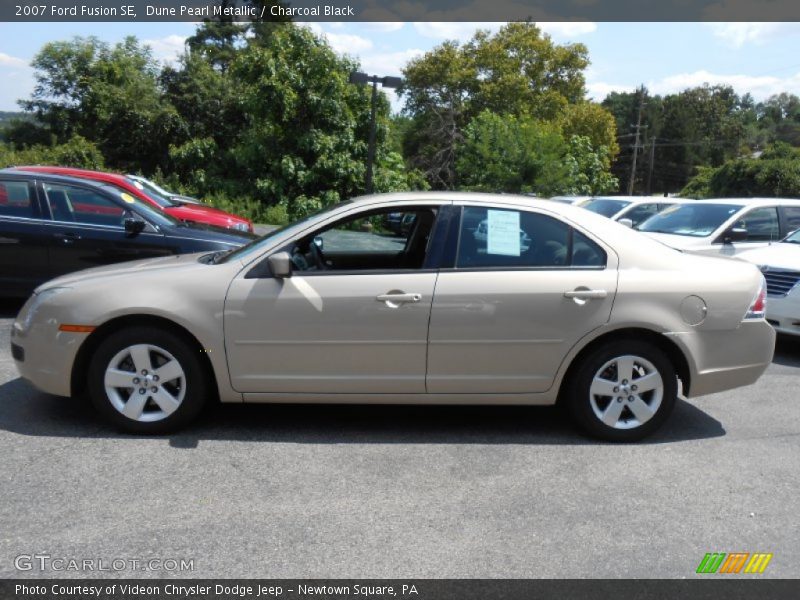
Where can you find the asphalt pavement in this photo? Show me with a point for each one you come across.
(279, 491)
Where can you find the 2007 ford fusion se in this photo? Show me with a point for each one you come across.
(488, 299)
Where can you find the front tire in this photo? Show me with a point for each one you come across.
(623, 391)
(147, 380)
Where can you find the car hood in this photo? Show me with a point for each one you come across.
(176, 263)
(780, 255)
(203, 210)
(212, 233)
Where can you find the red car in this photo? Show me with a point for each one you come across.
(197, 213)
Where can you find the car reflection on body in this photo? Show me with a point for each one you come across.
(587, 313)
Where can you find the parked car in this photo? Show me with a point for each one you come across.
(592, 314)
(780, 264)
(51, 225)
(575, 200)
(636, 209)
(194, 213)
(157, 189)
(724, 227)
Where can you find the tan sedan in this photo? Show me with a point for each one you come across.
(547, 303)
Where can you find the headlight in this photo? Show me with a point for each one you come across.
(28, 312)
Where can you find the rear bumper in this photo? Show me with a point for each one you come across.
(724, 360)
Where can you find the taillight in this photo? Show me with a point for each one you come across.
(758, 308)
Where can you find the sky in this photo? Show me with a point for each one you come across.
(757, 58)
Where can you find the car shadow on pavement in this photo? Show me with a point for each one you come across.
(25, 411)
(787, 351)
(10, 308)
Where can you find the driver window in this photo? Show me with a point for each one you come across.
(377, 240)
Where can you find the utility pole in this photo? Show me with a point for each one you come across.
(636, 144)
(652, 162)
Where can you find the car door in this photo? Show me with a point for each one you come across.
(23, 238)
(352, 318)
(520, 295)
(761, 225)
(87, 230)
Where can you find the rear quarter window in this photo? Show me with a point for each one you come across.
(16, 199)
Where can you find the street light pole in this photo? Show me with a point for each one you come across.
(372, 127)
(387, 82)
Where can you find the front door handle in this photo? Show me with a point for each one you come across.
(586, 294)
(395, 299)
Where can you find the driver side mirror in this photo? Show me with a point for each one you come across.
(280, 264)
(626, 222)
(133, 226)
(734, 234)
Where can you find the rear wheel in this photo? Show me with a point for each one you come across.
(147, 380)
(623, 391)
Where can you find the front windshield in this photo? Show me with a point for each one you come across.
(144, 209)
(150, 185)
(695, 219)
(793, 238)
(256, 245)
(156, 197)
(606, 206)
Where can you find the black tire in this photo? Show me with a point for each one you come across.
(196, 388)
(578, 398)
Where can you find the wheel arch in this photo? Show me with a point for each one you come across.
(87, 349)
(674, 352)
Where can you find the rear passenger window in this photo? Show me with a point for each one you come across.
(72, 203)
(792, 214)
(510, 238)
(15, 199)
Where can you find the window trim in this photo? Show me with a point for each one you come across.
(260, 270)
(572, 228)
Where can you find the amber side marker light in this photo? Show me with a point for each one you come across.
(76, 328)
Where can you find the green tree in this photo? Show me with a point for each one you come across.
(108, 94)
(517, 71)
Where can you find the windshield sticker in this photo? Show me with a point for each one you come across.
(127, 198)
(503, 233)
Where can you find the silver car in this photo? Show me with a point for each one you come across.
(338, 308)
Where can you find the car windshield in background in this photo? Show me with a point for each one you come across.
(606, 206)
(264, 240)
(150, 193)
(698, 219)
(793, 238)
(153, 215)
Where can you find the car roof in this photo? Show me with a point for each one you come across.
(73, 172)
(752, 201)
(19, 173)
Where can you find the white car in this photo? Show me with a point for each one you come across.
(144, 183)
(574, 200)
(636, 209)
(780, 264)
(724, 227)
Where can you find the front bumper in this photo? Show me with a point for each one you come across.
(727, 359)
(44, 356)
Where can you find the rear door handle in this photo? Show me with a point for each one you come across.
(67, 238)
(395, 299)
(584, 294)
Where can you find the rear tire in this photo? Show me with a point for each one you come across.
(147, 380)
(622, 391)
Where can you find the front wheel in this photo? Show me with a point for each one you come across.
(147, 380)
(623, 392)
